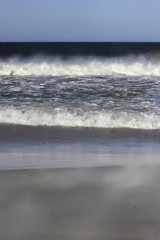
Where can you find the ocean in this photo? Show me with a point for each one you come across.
(79, 104)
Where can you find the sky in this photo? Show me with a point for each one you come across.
(79, 20)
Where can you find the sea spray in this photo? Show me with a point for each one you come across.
(90, 119)
(131, 65)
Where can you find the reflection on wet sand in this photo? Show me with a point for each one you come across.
(96, 203)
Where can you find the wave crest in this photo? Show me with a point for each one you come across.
(64, 118)
(81, 66)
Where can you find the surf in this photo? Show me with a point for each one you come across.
(131, 65)
(90, 119)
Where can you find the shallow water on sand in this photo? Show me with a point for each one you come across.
(72, 153)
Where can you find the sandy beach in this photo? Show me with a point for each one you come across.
(118, 203)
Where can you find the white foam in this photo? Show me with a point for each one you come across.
(44, 66)
(64, 118)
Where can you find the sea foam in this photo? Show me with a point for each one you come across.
(81, 66)
(64, 118)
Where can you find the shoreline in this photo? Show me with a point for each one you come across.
(76, 151)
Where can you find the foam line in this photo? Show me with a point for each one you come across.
(81, 66)
(64, 118)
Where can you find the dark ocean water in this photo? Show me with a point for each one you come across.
(85, 91)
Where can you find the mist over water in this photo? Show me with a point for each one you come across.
(131, 65)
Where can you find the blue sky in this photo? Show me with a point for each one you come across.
(79, 20)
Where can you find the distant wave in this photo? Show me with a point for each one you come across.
(81, 66)
(64, 118)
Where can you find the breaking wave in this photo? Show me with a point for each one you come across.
(49, 66)
(64, 118)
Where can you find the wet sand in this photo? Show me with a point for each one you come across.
(118, 203)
